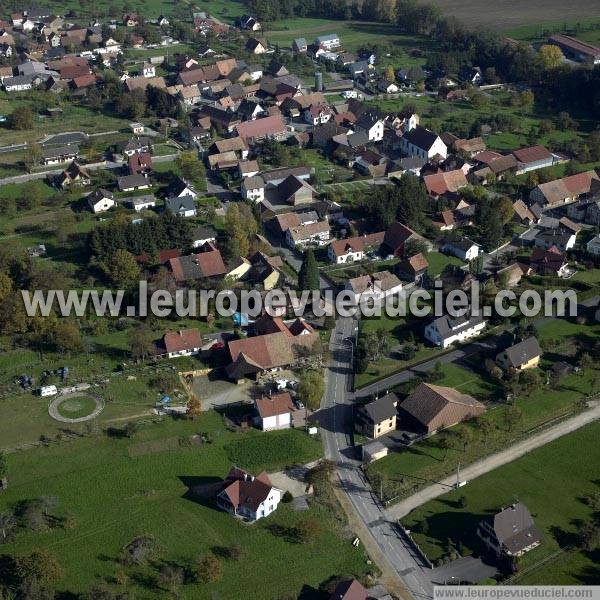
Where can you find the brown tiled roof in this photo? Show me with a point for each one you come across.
(383, 281)
(268, 351)
(287, 221)
(349, 590)
(397, 235)
(279, 404)
(436, 407)
(74, 70)
(272, 125)
(522, 211)
(266, 324)
(197, 266)
(532, 154)
(416, 263)
(471, 145)
(141, 83)
(356, 244)
(244, 490)
(84, 81)
(568, 187)
(186, 339)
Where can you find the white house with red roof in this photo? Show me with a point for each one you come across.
(275, 411)
(247, 496)
(185, 342)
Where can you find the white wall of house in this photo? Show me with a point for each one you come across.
(432, 335)
(349, 257)
(188, 352)
(283, 421)
(255, 194)
(103, 205)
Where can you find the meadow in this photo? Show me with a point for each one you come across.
(551, 482)
(114, 489)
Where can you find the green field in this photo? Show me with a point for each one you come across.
(551, 482)
(76, 407)
(115, 489)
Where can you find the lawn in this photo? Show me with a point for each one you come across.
(551, 482)
(76, 407)
(438, 262)
(75, 117)
(407, 471)
(118, 488)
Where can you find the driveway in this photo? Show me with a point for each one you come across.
(217, 393)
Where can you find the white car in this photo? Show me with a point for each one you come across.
(349, 94)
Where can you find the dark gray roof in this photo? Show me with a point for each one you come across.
(421, 137)
(132, 181)
(523, 352)
(57, 152)
(177, 204)
(448, 326)
(381, 409)
(515, 529)
(461, 244)
(203, 233)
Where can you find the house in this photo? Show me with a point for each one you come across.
(137, 145)
(470, 147)
(563, 191)
(181, 206)
(372, 124)
(576, 49)
(447, 330)
(431, 408)
(413, 269)
(397, 237)
(511, 275)
(291, 191)
(423, 143)
(140, 203)
(253, 188)
(59, 154)
(253, 355)
(560, 238)
(523, 355)
(328, 42)
(140, 163)
(318, 114)
(354, 249)
(185, 342)
(374, 287)
(548, 262)
(256, 46)
(511, 532)
(445, 184)
(387, 87)
(101, 200)
(593, 246)
(274, 412)
(299, 45)
(378, 417)
(267, 127)
(19, 83)
(248, 497)
(74, 175)
(136, 128)
(444, 221)
(349, 590)
(181, 188)
(533, 158)
(523, 214)
(203, 235)
(462, 248)
(130, 183)
(311, 234)
(249, 23)
(207, 263)
(190, 95)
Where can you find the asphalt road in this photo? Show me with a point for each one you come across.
(335, 419)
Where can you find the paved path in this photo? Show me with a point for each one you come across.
(494, 461)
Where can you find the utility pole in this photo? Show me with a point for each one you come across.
(458, 475)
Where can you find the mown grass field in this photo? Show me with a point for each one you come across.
(116, 489)
(551, 482)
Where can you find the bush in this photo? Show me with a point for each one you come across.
(287, 497)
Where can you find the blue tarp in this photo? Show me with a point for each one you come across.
(240, 319)
(165, 400)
